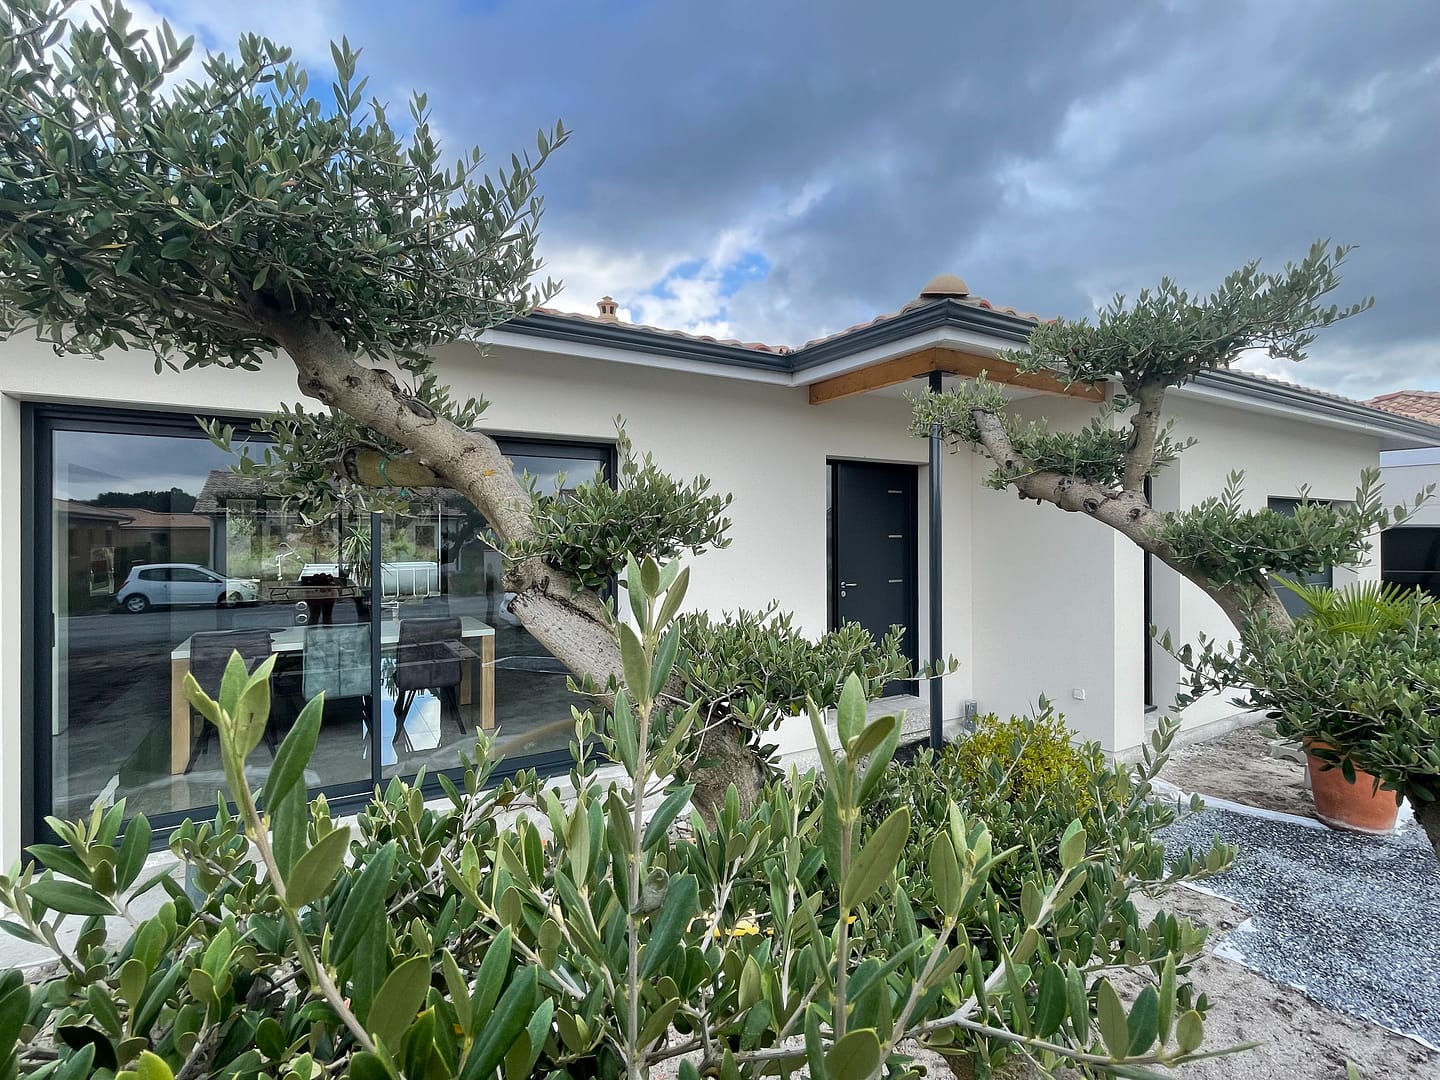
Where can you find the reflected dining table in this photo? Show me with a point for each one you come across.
(479, 669)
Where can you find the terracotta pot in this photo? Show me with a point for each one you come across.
(1357, 807)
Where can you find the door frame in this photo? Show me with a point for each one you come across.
(911, 641)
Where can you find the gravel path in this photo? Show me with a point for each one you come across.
(1349, 920)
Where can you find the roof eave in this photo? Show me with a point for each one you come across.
(1005, 329)
(942, 313)
(625, 336)
(1394, 432)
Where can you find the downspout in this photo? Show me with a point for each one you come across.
(937, 619)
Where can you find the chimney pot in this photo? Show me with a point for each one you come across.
(608, 309)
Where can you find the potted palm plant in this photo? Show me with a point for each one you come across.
(1357, 682)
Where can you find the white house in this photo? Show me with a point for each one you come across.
(1410, 552)
(832, 518)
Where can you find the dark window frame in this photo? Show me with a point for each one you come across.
(1426, 574)
(39, 423)
(1325, 579)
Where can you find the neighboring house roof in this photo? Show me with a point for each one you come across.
(221, 485)
(129, 517)
(152, 519)
(1416, 404)
(73, 508)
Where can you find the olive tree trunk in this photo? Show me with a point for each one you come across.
(570, 622)
(1128, 511)
(1427, 814)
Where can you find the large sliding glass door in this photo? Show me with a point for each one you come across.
(160, 561)
(436, 564)
(149, 583)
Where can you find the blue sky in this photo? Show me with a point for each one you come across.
(777, 171)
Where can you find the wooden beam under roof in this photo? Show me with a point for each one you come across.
(903, 368)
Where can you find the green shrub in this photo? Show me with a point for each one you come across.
(756, 666)
(588, 529)
(1033, 789)
(1022, 756)
(426, 941)
(1027, 781)
(1359, 673)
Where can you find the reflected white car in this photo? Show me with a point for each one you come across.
(182, 584)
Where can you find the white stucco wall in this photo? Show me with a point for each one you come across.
(1036, 601)
(1406, 473)
(763, 442)
(12, 808)
(1058, 607)
(1278, 457)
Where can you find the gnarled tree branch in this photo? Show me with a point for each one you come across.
(1129, 513)
(1140, 454)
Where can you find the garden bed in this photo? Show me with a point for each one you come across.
(1240, 767)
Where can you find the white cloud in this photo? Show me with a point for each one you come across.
(307, 27)
(678, 290)
(1366, 370)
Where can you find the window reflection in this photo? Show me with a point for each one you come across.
(436, 563)
(164, 562)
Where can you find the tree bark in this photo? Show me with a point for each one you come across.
(1129, 513)
(1427, 813)
(728, 759)
(1140, 454)
(571, 623)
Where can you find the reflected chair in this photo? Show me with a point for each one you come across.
(335, 661)
(209, 654)
(425, 659)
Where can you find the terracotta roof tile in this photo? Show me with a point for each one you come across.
(973, 301)
(1416, 404)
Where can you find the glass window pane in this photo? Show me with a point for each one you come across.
(1410, 557)
(482, 668)
(147, 586)
(1324, 579)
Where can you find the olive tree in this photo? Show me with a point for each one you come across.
(1142, 350)
(247, 217)
(514, 931)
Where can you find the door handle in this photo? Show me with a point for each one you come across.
(849, 584)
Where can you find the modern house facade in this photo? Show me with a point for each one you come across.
(833, 517)
(1410, 552)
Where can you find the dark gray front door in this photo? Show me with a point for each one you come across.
(874, 552)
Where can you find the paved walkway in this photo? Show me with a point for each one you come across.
(1351, 920)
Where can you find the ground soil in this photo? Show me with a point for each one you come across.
(1240, 767)
(1299, 1040)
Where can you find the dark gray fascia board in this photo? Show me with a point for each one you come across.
(656, 342)
(1238, 384)
(938, 313)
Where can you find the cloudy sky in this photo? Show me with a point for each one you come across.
(775, 171)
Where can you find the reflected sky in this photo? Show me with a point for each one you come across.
(89, 462)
